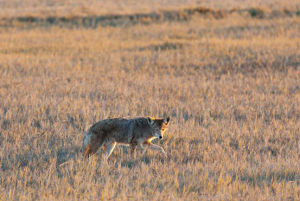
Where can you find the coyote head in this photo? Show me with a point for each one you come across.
(159, 126)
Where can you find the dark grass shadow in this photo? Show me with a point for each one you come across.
(128, 163)
(163, 47)
(132, 163)
(256, 13)
(66, 154)
(93, 21)
(159, 47)
(268, 177)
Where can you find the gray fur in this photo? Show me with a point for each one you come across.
(134, 132)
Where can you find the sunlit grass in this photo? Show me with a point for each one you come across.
(231, 87)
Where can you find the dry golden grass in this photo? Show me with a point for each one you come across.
(231, 87)
(103, 7)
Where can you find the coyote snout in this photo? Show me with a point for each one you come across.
(136, 132)
(158, 135)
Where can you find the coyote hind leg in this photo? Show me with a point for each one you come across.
(132, 150)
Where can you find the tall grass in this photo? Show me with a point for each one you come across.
(231, 87)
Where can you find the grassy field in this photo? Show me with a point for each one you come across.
(100, 7)
(231, 86)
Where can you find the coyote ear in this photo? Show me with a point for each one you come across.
(150, 121)
(166, 120)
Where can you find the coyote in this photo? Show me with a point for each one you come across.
(136, 132)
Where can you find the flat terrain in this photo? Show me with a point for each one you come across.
(100, 7)
(230, 84)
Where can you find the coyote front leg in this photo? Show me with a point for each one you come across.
(155, 147)
(109, 149)
(144, 148)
